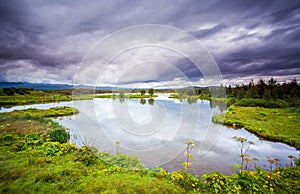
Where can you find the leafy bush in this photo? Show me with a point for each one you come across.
(121, 160)
(85, 155)
(59, 135)
(185, 180)
(214, 182)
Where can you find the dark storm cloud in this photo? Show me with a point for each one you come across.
(247, 38)
(208, 32)
(264, 61)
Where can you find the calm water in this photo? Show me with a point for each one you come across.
(156, 132)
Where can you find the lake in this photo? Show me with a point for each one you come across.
(156, 131)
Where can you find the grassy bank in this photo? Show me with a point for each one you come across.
(278, 124)
(182, 96)
(51, 112)
(36, 97)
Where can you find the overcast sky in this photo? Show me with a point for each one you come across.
(46, 41)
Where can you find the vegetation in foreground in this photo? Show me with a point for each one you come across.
(276, 124)
(34, 161)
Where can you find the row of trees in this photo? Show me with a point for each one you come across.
(270, 89)
(12, 91)
(150, 92)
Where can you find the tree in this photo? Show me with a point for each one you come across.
(9, 91)
(142, 92)
(151, 92)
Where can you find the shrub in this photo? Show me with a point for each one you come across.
(214, 182)
(85, 155)
(185, 180)
(121, 160)
(59, 135)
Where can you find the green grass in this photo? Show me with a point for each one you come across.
(278, 124)
(51, 112)
(184, 96)
(262, 103)
(34, 97)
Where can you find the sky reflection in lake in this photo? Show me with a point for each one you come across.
(156, 133)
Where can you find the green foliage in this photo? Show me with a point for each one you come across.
(276, 124)
(151, 91)
(121, 160)
(191, 95)
(19, 96)
(51, 112)
(60, 136)
(262, 103)
(184, 180)
(12, 91)
(214, 182)
(86, 156)
(267, 90)
(142, 92)
(257, 181)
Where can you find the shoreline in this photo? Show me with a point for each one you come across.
(254, 120)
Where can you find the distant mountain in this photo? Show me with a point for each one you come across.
(43, 86)
(36, 86)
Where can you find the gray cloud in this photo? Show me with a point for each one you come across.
(45, 41)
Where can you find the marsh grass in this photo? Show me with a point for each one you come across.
(34, 97)
(277, 124)
(51, 112)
